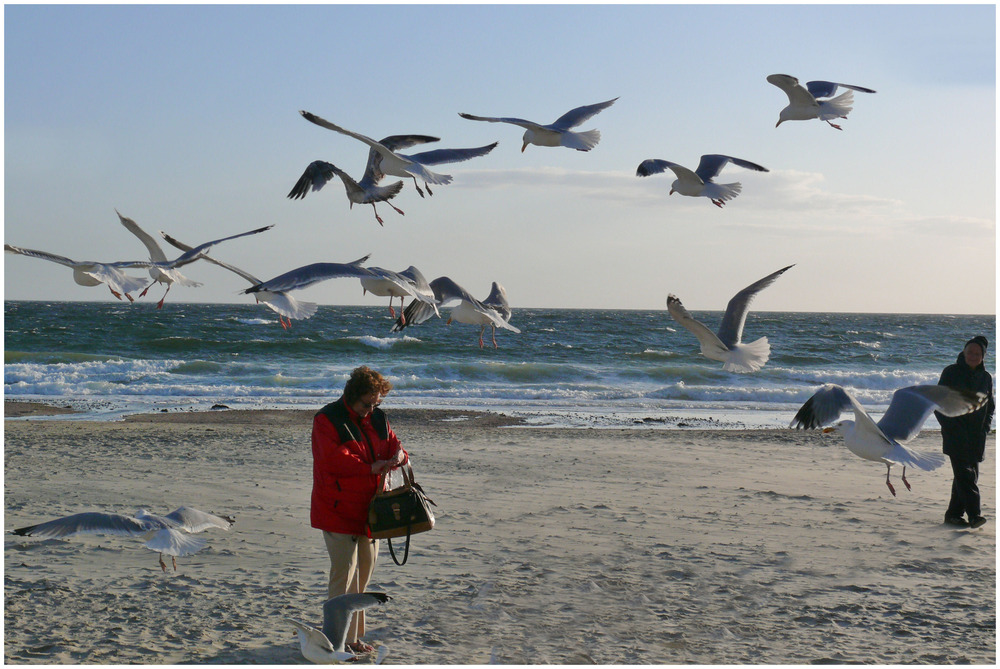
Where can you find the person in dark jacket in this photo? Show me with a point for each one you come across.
(352, 445)
(964, 437)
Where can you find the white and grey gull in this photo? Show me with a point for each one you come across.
(329, 645)
(493, 312)
(699, 183)
(727, 344)
(885, 441)
(166, 535)
(557, 133)
(804, 102)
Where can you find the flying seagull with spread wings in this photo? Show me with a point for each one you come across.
(804, 102)
(557, 133)
(165, 276)
(493, 312)
(885, 440)
(700, 182)
(166, 535)
(366, 191)
(726, 346)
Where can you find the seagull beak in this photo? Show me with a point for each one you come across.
(778, 123)
(524, 146)
(827, 430)
(671, 191)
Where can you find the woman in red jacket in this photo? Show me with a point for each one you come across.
(352, 445)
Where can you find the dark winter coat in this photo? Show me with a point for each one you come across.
(964, 436)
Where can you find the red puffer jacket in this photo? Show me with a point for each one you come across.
(343, 483)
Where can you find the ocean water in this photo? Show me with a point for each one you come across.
(569, 367)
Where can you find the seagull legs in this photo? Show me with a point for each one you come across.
(143, 293)
(398, 210)
(159, 305)
(285, 322)
(905, 482)
(494, 336)
(718, 203)
(835, 125)
(482, 329)
(891, 489)
(420, 192)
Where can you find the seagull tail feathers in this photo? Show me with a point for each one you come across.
(581, 141)
(747, 357)
(838, 107)
(904, 455)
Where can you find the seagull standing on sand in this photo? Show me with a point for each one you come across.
(167, 276)
(89, 272)
(494, 311)
(366, 191)
(884, 441)
(557, 133)
(163, 534)
(727, 346)
(699, 183)
(390, 284)
(329, 645)
(804, 102)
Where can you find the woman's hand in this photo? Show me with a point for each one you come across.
(382, 466)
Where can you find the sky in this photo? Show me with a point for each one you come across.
(185, 118)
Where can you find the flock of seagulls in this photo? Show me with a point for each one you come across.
(385, 159)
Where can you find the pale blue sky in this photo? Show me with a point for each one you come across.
(185, 118)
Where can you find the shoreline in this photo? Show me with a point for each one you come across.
(552, 546)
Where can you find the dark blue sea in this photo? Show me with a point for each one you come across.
(569, 367)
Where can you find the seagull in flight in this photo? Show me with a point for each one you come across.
(885, 440)
(557, 133)
(366, 191)
(89, 272)
(494, 311)
(167, 276)
(699, 183)
(283, 304)
(165, 535)
(804, 102)
(329, 645)
(396, 164)
(726, 345)
(396, 143)
(391, 284)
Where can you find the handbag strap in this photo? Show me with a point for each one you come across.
(406, 552)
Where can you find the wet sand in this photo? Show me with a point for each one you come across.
(552, 546)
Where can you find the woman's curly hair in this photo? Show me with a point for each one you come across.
(365, 380)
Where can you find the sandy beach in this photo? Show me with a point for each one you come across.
(552, 546)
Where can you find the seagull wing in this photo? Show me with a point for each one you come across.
(235, 270)
(824, 407)
(44, 255)
(826, 89)
(195, 253)
(710, 343)
(155, 252)
(315, 176)
(323, 123)
(575, 117)
(310, 274)
(531, 125)
(445, 291)
(654, 166)
(711, 164)
(438, 156)
(731, 329)
(403, 142)
(911, 406)
(337, 612)
(194, 520)
(797, 94)
(89, 522)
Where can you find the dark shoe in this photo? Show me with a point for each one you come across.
(956, 520)
(978, 521)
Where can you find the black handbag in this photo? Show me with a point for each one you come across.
(400, 512)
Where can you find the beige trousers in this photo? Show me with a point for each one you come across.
(352, 561)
